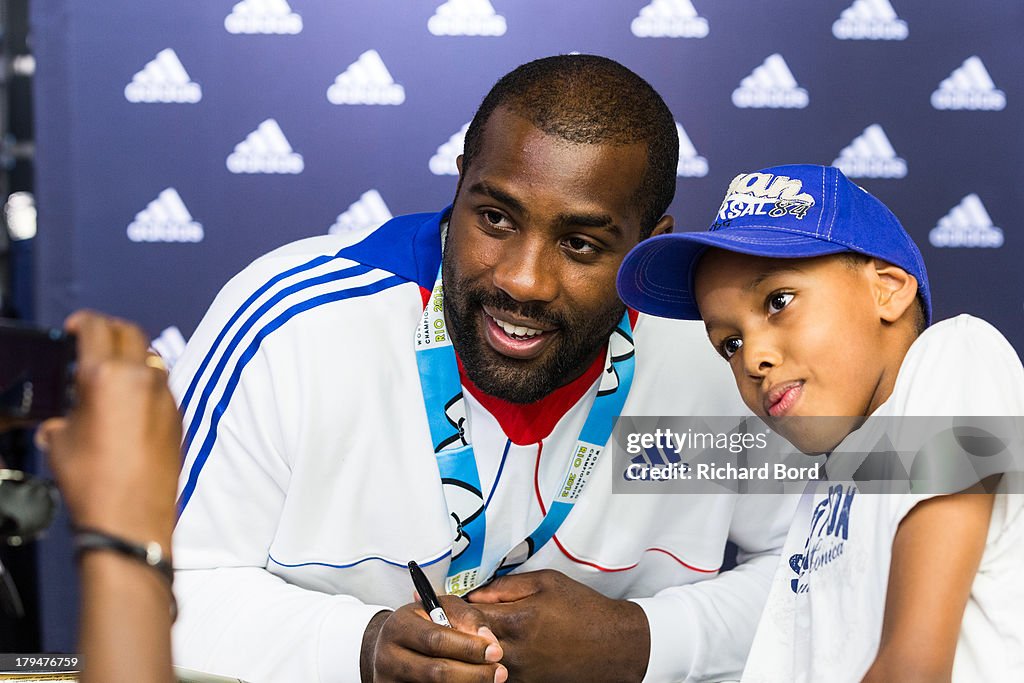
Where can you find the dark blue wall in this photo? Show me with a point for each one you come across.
(107, 157)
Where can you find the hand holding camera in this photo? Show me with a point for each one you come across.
(116, 455)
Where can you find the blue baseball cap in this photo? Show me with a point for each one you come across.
(795, 211)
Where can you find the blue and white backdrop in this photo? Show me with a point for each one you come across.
(178, 141)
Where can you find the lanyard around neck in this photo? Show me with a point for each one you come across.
(460, 478)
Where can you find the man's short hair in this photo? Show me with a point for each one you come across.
(593, 100)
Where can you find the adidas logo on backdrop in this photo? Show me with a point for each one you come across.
(870, 20)
(263, 16)
(265, 150)
(443, 161)
(969, 87)
(163, 80)
(366, 81)
(165, 219)
(466, 18)
(369, 211)
(691, 165)
(770, 86)
(669, 19)
(966, 225)
(871, 155)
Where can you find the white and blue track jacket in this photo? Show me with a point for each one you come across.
(309, 479)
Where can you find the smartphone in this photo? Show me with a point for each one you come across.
(37, 366)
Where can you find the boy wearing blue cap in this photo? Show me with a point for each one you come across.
(818, 298)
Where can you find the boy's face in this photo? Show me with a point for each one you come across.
(803, 338)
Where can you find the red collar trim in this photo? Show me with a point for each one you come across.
(528, 423)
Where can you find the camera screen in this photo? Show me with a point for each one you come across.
(36, 367)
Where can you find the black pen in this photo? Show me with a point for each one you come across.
(427, 596)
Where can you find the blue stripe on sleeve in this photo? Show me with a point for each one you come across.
(250, 352)
(248, 302)
(204, 398)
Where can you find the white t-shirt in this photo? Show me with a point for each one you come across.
(823, 619)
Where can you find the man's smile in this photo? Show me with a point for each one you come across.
(513, 336)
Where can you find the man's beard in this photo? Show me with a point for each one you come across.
(521, 381)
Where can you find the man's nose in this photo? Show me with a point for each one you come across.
(527, 270)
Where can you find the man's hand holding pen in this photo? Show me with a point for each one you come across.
(433, 639)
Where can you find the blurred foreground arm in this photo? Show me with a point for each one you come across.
(116, 459)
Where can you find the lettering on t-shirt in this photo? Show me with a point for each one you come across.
(826, 541)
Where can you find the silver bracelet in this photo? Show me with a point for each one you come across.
(150, 554)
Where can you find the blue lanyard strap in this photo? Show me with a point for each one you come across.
(460, 478)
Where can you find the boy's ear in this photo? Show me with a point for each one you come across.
(895, 290)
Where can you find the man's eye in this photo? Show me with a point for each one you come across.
(580, 245)
(495, 219)
(730, 346)
(778, 301)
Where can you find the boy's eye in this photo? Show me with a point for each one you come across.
(778, 301)
(730, 346)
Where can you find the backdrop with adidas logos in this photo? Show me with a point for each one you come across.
(179, 141)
